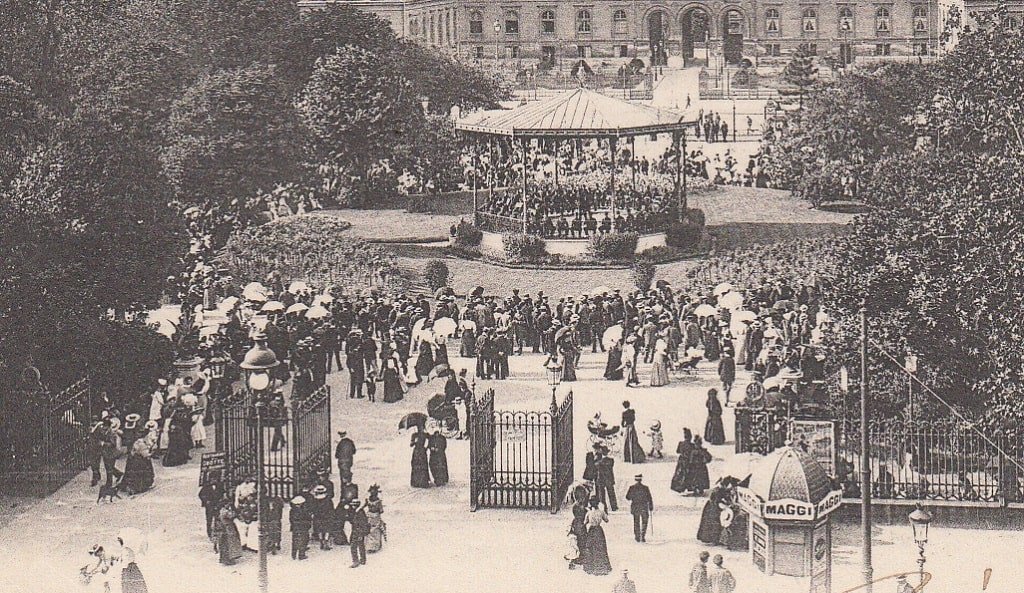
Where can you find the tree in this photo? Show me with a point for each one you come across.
(22, 125)
(357, 109)
(800, 71)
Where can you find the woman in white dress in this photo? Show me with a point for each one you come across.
(659, 370)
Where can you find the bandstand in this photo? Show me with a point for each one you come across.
(547, 127)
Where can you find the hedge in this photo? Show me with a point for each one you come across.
(613, 246)
(467, 235)
(520, 248)
(436, 274)
(688, 232)
(643, 274)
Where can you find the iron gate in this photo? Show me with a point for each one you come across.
(43, 436)
(294, 440)
(520, 459)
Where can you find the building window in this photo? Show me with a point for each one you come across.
(921, 48)
(583, 21)
(883, 23)
(845, 21)
(583, 51)
(810, 48)
(511, 23)
(920, 19)
(619, 26)
(1011, 23)
(413, 28)
(512, 52)
(448, 28)
(773, 50)
(810, 20)
(476, 23)
(623, 51)
(547, 21)
(771, 20)
(431, 28)
(882, 49)
(479, 52)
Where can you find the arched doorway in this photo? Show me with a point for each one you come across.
(657, 34)
(695, 26)
(732, 35)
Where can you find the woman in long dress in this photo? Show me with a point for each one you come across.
(710, 530)
(132, 580)
(632, 452)
(229, 544)
(613, 370)
(712, 347)
(438, 458)
(378, 529)
(441, 354)
(596, 559)
(425, 360)
(468, 348)
(392, 381)
(659, 370)
(420, 477)
(714, 431)
(699, 458)
(179, 437)
(138, 470)
(629, 356)
(567, 349)
(578, 535)
(682, 472)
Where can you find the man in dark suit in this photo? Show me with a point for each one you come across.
(345, 453)
(640, 506)
(356, 365)
(605, 481)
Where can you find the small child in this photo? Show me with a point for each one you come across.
(301, 522)
(371, 385)
(657, 440)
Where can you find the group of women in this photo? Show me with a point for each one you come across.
(429, 458)
(588, 545)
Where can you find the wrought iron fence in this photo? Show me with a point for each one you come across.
(43, 436)
(520, 459)
(294, 441)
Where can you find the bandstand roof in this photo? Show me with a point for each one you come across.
(579, 113)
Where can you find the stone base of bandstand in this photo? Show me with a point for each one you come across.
(493, 245)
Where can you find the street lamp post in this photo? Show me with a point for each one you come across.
(257, 367)
(554, 378)
(865, 454)
(919, 520)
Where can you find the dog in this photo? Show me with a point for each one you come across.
(108, 491)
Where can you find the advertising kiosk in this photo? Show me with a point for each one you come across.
(789, 500)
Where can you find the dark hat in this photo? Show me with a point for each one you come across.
(638, 477)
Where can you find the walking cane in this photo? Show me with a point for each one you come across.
(650, 522)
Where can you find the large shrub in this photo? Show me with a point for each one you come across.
(523, 248)
(312, 247)
(686, 233)
(436, 274)
(613, 246)
(643, 274)
(467, 235)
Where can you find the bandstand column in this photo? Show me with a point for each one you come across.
(525, 204)
(612, 146)
(557, 147)
(632, 162)
(475, 172)
(682, 155)
(490, 167)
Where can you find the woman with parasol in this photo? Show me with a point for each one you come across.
(612, 340)
(420, 475)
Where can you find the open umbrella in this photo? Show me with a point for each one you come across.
(731, 300)
(418, 326)
(561, 334)
(744, 316)
(272, 307)
(783, 305)
(723, 288)
(445, 326)
(436, 405)
(468, 324)
(227, 304)
(773, 383)
(254, 291)
(297, 287)
(412, 419)
(133, 539)
(611, 335)
(297, 308)
(323, 299)
(705, 310)
(317, 312)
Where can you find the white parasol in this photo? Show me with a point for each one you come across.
(297, 287)
(468, 324)
(254, 291)
(445, 326)
(611, 335)
(731, 300)
(228, 303)
(748, 316)
(272, 307)
(297, 308)
(723, 288)
(705, 310)
(317, 312)
(323, 299)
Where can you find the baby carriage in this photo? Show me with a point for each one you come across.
(444, 414)
(688, 361)
(600, 432)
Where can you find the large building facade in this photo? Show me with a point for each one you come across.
(665, 30)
